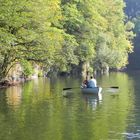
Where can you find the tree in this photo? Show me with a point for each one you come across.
(29, 32)
(114, 43)
(72, 33)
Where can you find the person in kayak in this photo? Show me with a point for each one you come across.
(85, 82)
(92, 82)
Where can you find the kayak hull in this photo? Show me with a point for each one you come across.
(95, 90)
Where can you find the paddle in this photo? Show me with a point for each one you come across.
(112, 87)
(70, 88)
(79, 87)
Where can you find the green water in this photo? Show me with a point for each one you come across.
(38, 110)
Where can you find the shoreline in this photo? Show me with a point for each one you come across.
(9, 83)
(5, 84)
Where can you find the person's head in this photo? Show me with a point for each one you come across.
(92, 77)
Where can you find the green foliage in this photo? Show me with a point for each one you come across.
(114, 44)
(66, 57)
(132, 11)
(28, 31)
(40, 73)
(88, 20)
(27, 68)
(60, 34)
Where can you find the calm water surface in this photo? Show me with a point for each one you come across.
(41, 110)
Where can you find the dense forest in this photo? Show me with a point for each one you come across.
(132, 10)
(63, 35)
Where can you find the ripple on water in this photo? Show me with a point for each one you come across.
(131, 135)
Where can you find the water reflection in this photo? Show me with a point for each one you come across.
(31, 92)
(92, 100)
(43, 113)
(14, 96)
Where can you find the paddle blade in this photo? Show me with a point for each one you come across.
(113, 87)
(66, 88)
(70, 88)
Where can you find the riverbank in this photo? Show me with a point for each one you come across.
(7, 83)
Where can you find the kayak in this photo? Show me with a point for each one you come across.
(95, 90)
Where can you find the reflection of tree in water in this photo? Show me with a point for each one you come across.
(14, 95)
(92, 101)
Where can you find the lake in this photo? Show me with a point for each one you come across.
(41, 110)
